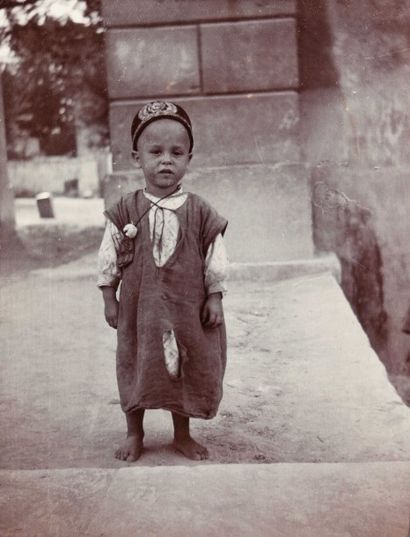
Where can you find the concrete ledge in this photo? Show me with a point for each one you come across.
(51, 503)
(281, 500)
(273, 272)
(276, 500)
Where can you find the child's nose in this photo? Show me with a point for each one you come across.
(166, 157)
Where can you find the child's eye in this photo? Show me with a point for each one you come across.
(178, 153)
(155, 151)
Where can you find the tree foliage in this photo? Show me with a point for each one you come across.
(58, 78)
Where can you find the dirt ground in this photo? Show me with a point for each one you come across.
(59, 394)
(59, 403)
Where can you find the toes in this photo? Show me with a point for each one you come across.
(203, 453)
(192, 450)
(119, 454)
(124, 454)
(134, 455)
(130, 451)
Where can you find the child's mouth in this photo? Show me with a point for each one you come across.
(166, 172)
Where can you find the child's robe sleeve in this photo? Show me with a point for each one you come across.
(216, 267)
(109, 273)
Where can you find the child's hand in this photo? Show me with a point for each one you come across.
(111, 306)
(111, 312)
(212, 312)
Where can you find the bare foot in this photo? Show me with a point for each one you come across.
(131, 449)
(191, 449)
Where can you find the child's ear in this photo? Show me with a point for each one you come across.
(135, 157)
(190, 157)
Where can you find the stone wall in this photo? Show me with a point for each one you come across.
(356, 133)
(232, 65)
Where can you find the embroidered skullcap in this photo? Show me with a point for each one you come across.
(159, 110)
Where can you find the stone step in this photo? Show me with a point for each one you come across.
(283, 270)
(260, 500)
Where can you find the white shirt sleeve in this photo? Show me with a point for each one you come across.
(216, 267)
(109, 274)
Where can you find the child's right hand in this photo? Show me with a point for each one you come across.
(111, 312)
(111, 305)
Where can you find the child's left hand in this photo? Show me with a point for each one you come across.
(212, 312)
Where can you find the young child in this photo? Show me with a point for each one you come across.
(165, 246)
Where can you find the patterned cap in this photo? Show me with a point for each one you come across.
(159, 110)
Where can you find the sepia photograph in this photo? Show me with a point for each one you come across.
(205, 268)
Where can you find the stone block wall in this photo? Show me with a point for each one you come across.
(228, 129)
(232, 65)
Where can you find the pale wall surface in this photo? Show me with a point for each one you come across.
(371, 52)
(49, 173)
(268, 207)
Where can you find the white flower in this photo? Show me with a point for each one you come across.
(130, 231)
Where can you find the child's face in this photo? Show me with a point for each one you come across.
(163, 154)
